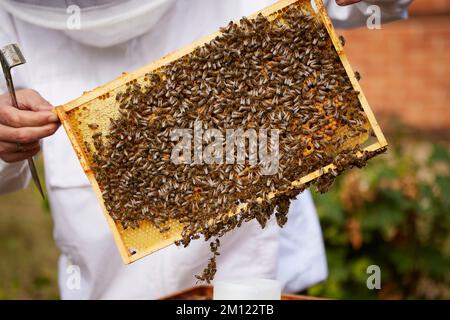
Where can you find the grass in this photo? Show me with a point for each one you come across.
(28, 254)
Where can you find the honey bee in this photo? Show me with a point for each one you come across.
(256, 74)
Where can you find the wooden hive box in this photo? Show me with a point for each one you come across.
(100, 105)
(206, 292)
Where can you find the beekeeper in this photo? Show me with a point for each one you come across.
(76, 45)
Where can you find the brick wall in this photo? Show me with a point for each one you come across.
(405, 66)
(428, 7)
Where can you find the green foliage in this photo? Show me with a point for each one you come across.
(394, 213)
(28, 255)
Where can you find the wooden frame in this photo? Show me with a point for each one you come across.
(99, 96)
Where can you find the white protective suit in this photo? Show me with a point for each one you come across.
(63, 63)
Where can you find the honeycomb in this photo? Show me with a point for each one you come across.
(100, 105)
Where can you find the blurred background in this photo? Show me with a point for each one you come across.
(395, 213)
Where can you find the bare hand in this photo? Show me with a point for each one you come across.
(22, 128)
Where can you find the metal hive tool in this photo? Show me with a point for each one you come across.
(10, 57)
(100, 105)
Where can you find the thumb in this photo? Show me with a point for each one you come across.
(31, 100)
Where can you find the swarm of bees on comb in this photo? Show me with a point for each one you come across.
(283, 75)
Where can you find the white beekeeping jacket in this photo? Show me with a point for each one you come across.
(63, 63)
